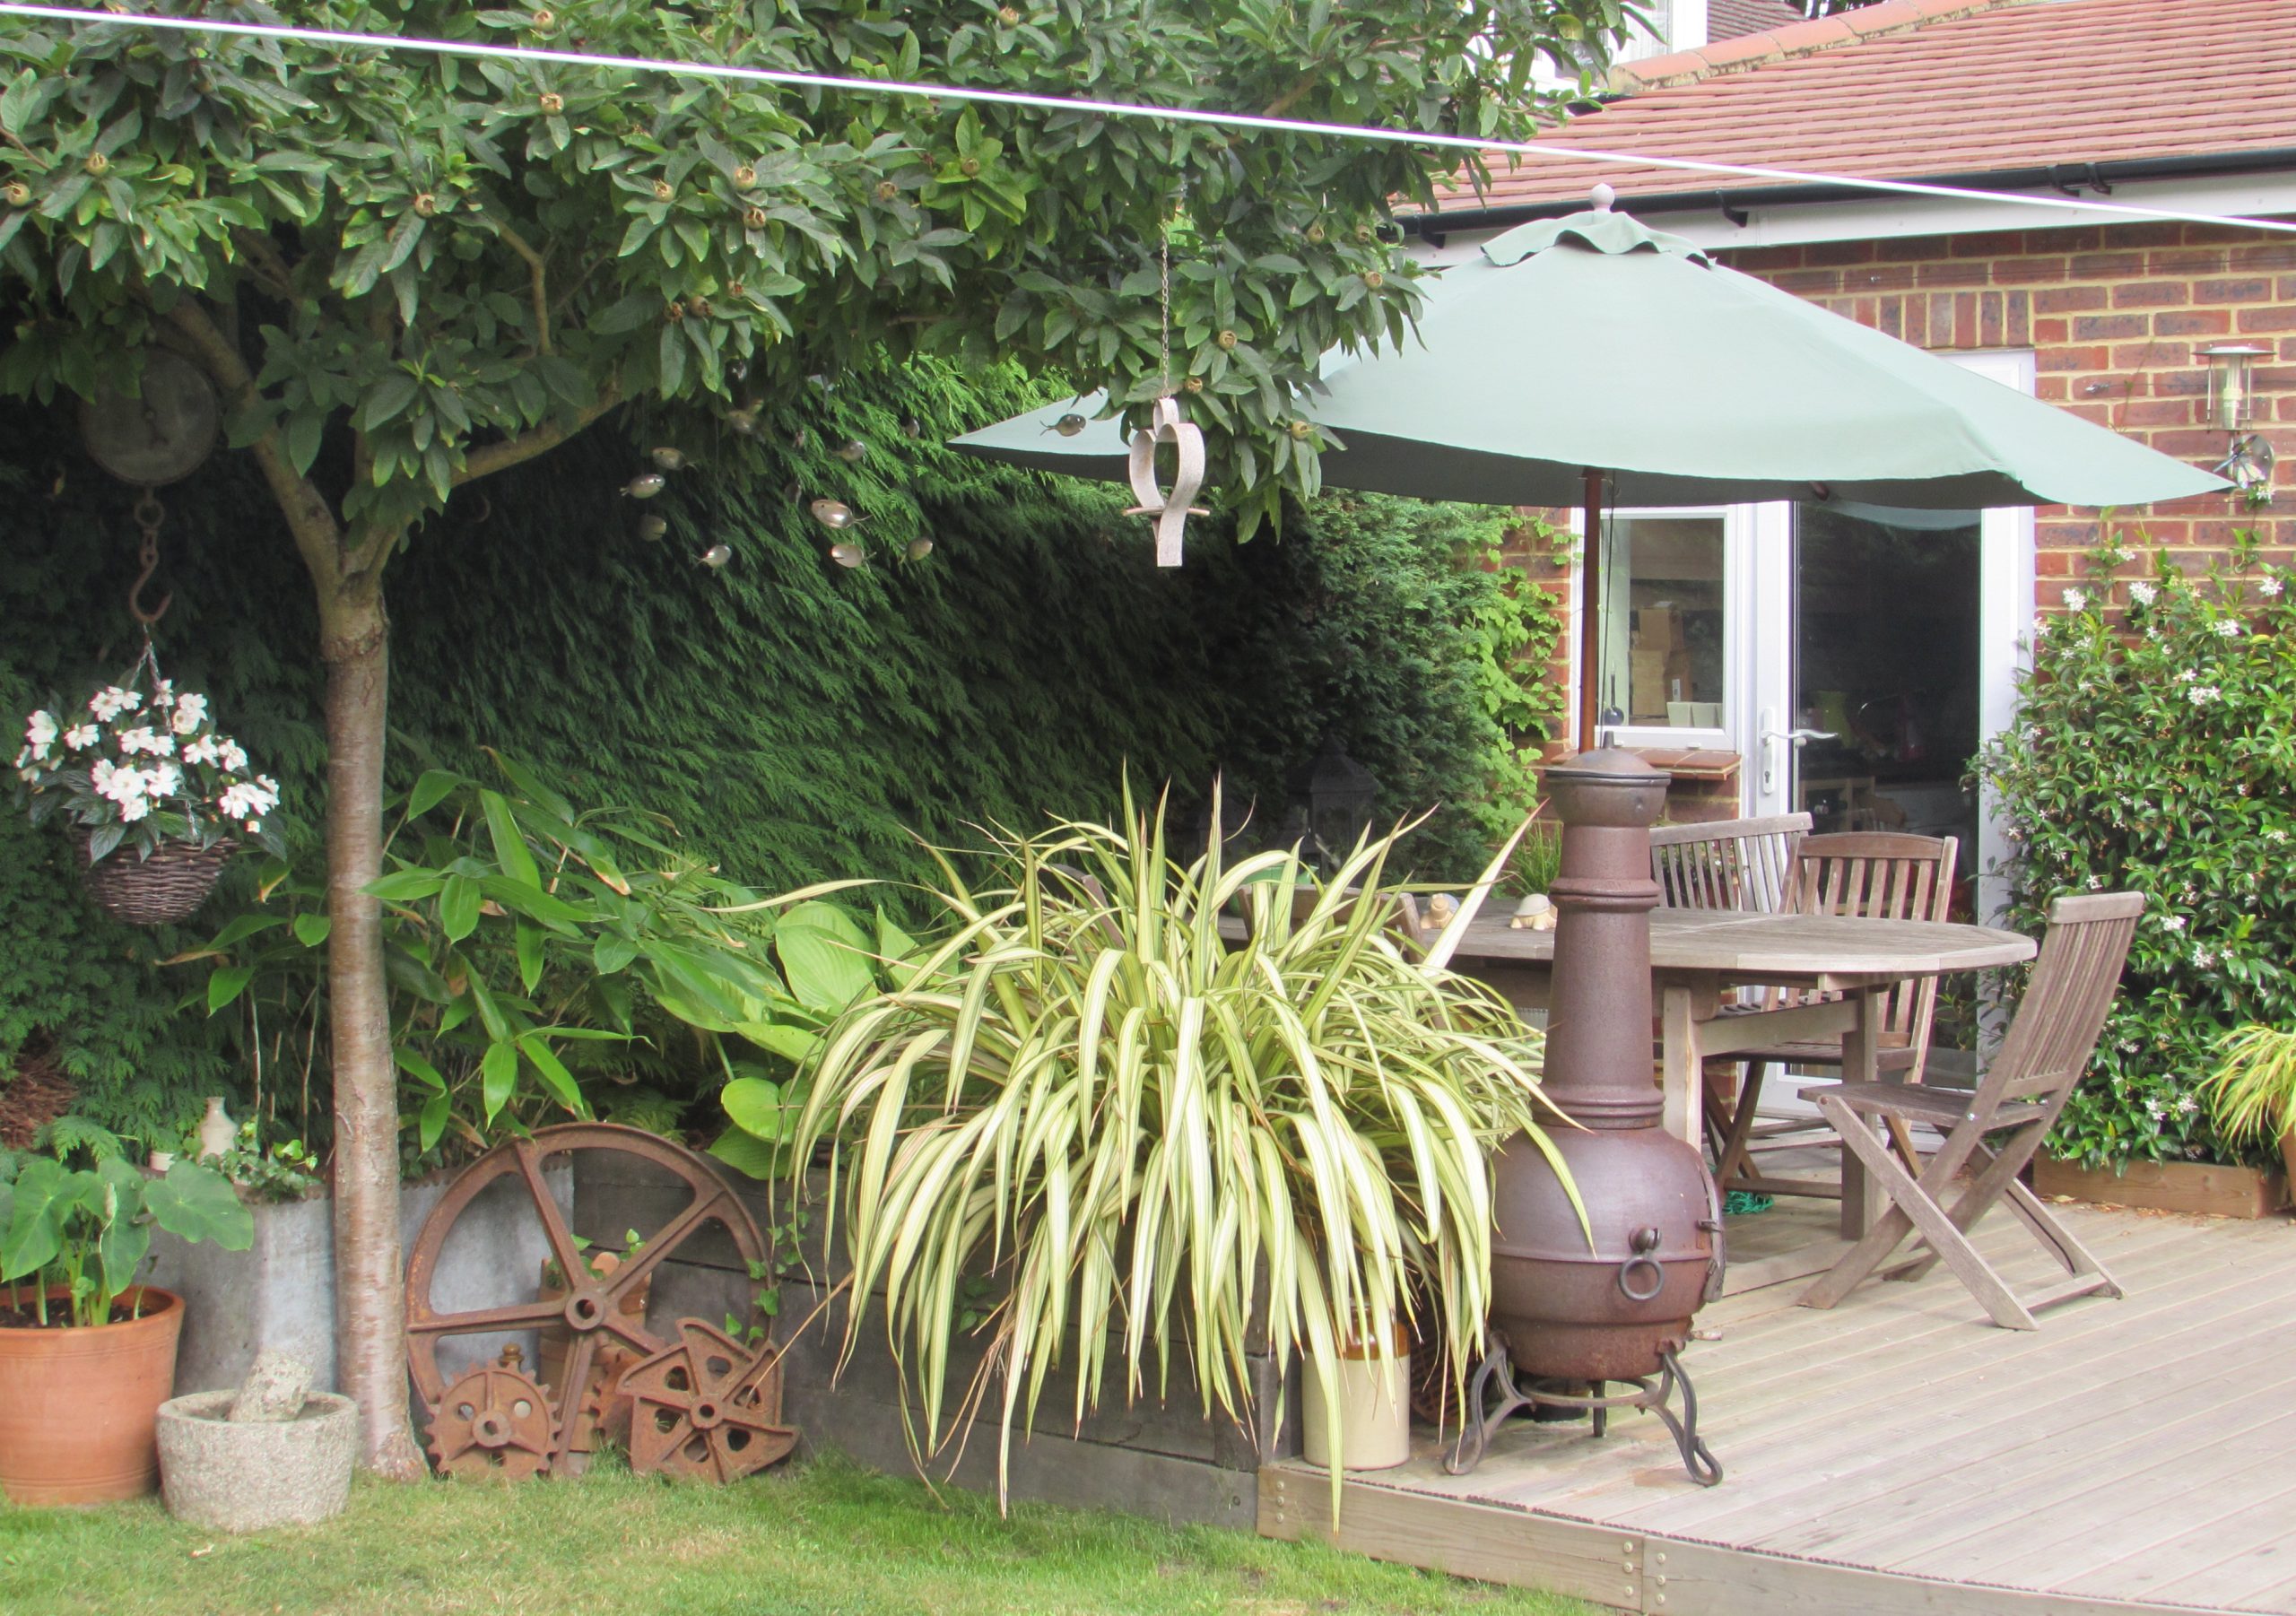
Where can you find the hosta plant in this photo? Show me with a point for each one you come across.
(83, 1231)
(1117, 1134)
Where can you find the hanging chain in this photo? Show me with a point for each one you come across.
(149, 513)
(1164, 324)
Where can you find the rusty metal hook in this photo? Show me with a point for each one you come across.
(149, 513)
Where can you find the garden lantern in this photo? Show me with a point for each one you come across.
(2231, 383)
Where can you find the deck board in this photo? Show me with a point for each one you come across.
(1900, 1453)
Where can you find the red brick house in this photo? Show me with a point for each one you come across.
(1901, 635)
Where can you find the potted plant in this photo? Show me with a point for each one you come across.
(1115, 1130)
(157, 796)
(2253, 1092)
(86, 1355)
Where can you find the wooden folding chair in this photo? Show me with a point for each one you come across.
(1728, 864)
(1882, 875)
(2046, 1049)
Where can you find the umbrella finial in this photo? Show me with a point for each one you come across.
(1603, 196)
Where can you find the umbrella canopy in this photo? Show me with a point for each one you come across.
(1594, 345)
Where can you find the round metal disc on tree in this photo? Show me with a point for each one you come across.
(160, 437)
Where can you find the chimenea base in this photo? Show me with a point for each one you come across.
(1482, 1421)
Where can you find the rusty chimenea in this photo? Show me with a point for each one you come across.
(1567, 1317)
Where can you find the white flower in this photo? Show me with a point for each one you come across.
(83, 736)
(110, 701)
(203, 751)
(2187, 1105)
(2270, 589)
(166, 781)
(2096, 882)
(2204, 958)
(2172, 923)
(39, 733)
(163, 693)
(2154, 1108)
(144, 738)
(121, 784)
(2143, 593)
(134, 809)
(2186, 677)
(2226, 628)
(231, 757)
(2201, 695)
(191, 712)
(2076, 600)
(249, 799)
(2275, 835)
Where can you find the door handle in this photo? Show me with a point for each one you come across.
(1771, 740)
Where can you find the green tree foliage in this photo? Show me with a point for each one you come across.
(428, 256)
(2155, 752)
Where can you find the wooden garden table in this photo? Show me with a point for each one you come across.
(1698, 956)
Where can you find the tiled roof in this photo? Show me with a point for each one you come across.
(2012, 84)
(1728, 19)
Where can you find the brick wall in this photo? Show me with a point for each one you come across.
(2115, 316)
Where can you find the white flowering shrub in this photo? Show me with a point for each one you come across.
(2155, 751)
(144, 766)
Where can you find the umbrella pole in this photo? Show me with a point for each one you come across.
(1589, 619)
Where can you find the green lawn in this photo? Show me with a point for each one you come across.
(826, 1537)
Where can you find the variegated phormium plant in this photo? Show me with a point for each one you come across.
(1127, 1132)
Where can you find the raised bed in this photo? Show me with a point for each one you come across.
(2181, 1186)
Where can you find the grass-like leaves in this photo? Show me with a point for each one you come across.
(1131, 1137)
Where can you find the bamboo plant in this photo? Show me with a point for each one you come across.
(1126, 1136)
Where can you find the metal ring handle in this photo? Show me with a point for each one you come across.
(1626, 1277)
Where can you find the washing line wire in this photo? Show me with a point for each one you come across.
(1057, 103)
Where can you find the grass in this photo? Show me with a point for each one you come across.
(821, 1538)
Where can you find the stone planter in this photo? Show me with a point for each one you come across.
(279, 1293)
(2181, 1186)
(76, 1404)
(242, 1477)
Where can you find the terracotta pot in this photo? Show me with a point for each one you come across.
(78, 1408)
(2288, 1154)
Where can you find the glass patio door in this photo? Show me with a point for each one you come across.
(1854, 657)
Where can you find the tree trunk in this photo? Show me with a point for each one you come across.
(369, 1278)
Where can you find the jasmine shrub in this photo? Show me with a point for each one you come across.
(2155, 751)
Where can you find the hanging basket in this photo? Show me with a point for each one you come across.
(158, 890)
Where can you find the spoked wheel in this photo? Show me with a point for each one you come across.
(592, 1309)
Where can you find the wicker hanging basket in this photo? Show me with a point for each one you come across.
(158, 890)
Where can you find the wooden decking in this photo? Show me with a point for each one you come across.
(1900, 1454)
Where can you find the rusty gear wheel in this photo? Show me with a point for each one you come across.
(592, 1309)
(708, 1408)
(493, 1423)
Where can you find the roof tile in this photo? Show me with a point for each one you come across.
(1952, 87)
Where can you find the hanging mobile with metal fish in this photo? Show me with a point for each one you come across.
(1166, 425)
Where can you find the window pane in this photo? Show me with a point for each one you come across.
(1662, 650)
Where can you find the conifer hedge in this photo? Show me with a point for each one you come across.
(794, 718)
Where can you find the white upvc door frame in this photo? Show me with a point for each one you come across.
(1759, 635)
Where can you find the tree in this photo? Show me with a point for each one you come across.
(406, 272)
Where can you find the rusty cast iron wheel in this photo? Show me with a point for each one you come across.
(591, 1308)
(493, 1423)
(708, 1409)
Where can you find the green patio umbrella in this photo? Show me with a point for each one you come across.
(1573, 349)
